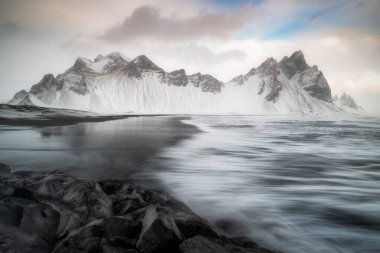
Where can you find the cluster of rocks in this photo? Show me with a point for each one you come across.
(53, 212)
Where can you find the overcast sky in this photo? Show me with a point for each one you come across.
(222, 38)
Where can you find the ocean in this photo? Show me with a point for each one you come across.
(293, 184)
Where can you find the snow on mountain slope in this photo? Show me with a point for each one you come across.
(115, 84)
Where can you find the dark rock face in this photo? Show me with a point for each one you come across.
(314, 82)
(60, 214)
(294, 64)
(140, 65)
(295, 68)
(80, 66)
(310, 78)
(177, 78)
(206, 82)
(269, 72)
(144, 63)
(46, 82)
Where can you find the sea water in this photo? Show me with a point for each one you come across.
(293, 184)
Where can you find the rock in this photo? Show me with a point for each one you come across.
(110, 249)
(160, 232)
(40, 220)
(314, 82)
(21, 98)
(14, 241)
(207, 83)
(46, 82)
(294, 64)
(5, 171)
(191, 225)
(88, 238)
(200, 244)
(126, 227)
(52, 212)
(177, 78)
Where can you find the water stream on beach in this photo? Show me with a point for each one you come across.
(292, 184)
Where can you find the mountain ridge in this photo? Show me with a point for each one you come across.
(114, 83)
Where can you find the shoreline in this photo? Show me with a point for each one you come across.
(53, 212)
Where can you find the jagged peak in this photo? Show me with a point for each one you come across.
(80, 62)
(47, 77)
(117, 55)
(298, 53)
(21, 98)
(178, 71)
(21, 93)
(81, 59)
(140, 58)
(144, 62)
(99, 58)
(268, 67)
(269, 61)
(294, 64)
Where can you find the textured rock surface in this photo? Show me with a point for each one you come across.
(57, 213)
(206, 82)
(177, 77)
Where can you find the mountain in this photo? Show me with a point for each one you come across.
(347, 103)
(116, 84)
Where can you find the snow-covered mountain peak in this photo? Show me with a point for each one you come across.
(347, 102)
(21, 98)
(268, 67)
(115, 57)
(112, 83)
(144, 63)
(100, 65)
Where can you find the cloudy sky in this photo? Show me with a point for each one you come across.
(220, 37)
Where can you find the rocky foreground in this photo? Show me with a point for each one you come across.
(53, 212)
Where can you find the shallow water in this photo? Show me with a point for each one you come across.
(293, 184)
(115, 149)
